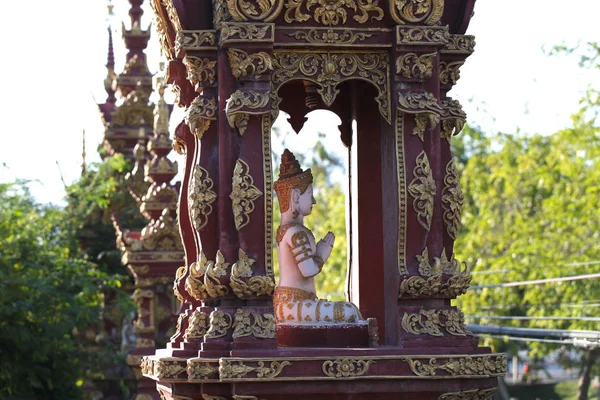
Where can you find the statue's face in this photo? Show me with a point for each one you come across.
(306, 201)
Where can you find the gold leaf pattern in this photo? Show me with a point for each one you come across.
(214, 271)
(201, 197)
(243, 194)
(346, 367)
(332, 12)
(431, 322)
(243, 64)
(452, 200)
(417, 12)
(423, 189)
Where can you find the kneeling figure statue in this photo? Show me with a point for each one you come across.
(300, 257)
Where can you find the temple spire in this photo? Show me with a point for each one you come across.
(110, 61)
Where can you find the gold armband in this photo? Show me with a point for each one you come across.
(319, 261)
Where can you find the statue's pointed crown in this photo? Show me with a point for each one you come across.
(291, 176)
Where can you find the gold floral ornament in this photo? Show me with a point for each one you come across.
(167, 369)
(411, 65)
(426, 109)
(243, 63)
(162, 234)
(202, 369)
(460, 44)
(253, 324)
(346, 368)
(423, 189)
(474, 394)
(201, 197)
(235, 32)
(255, 286)
(450, 72)
(417, 12)
(198, 325)
(195, 40)
(199, 115)
(243, 194)
(200, 70)
(254, 10)
(242, 104)
(194, 283)
(432, 322)
(215, 271)
(330, 36)
(452, 200)
(332, 12)
(237, 370)
(453, 118)
(220, 323)
(330, 69)
(422, 35)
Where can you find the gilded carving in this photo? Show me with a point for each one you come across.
(195, 40)
(432, 322)
(220, 13)
(491, 365)
(474, 394)
(160, 23)
(253, 324)
(401, 174)
(423, 189)
(200, 369)
(452, 200)
(450, 72)
(420, 35)
(346, 368)
(411, 65)
(172, 14)
(332, 12)
(417, 12)
(200, 70)
(220, 323)
(179, 325)
(199, 115)
(214, 272)
(243, 63)
(179, 146)
(162, 234)
(425, 107)
(201, 197)
(241, 105)
(418, 286)
(210, 397)
(255, 286)
(198, 325)
(254, 10)
(228, 369)
(453, 118)
(329, 69)
(166, 369)
(243, 194)
(194, 283)
(236, 32)
(460, 44)
(330, 36)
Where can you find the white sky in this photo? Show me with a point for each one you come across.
(54, 54)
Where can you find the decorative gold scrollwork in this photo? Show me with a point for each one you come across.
(425, 107)
(329, 69)
(194, 283)
(201, 369)
(267, 122)
(201, 197)
(243, 194)
(214, 272)
(242, 104)
(422, 36)
(431, 322)
(330, 36)
(452, 200)
(243, 63)
(237, 32)
(332, 12)
(453, 118)
(198, 325)
(474, 394)
(450, 72)
(253, 324)
(201, 112)
(200, 70)
(167, 370)
(220, 323)
(346, 367)
(254, 10)
(423, 189)
(195, 40)
(491, 365)
(255, 286)
(235, 369)
(460, 44)
(411, 65)
(422, 12)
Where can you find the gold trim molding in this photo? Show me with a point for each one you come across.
(346, 368)
(229, 370)
(329, 69)
(402, 204)
(331, 36)
(332, 12)
(201, 197)
(232, 32)
(267, 122)
(243, 194)
(202, 369)
(422, 188)
(474, 394)
(422, 35)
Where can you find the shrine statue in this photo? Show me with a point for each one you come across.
(301, 258)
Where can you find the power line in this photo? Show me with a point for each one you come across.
(535, 332)
(525, 318)
(504, 270)
(537, 281)
(579, 304)
(526, 339)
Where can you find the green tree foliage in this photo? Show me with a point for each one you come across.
(49, 300)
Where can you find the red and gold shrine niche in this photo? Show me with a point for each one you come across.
(384, 67)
